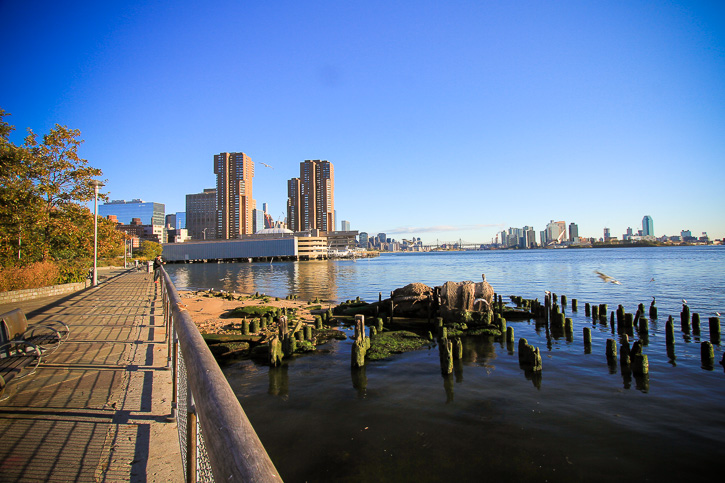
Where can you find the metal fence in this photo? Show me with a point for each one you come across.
(217, 440)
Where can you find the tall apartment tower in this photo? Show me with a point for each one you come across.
(235, 205)
(647, 226)
(573, 231)
(294, 205)
(201, 215)
(311, 197)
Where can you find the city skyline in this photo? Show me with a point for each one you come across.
(511, 115)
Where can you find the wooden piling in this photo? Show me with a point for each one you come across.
(510, 334)
(308, 332)
(707, 354)
(643, 327)
(652, 310)
(254, 326)
(715, 330)
(685, 316)
(275, 352)
(587, 332)
(568, 325)
(445, 348)
(696, 323)
(595, 312)
(587, 309)
(624, 351)
(457, 348)
(611, 350)
(574, 306)
(563, 301)
(245, 327)
(670, 333)
(638, 360)
(602, 309)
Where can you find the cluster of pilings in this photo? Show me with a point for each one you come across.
(284, 343)
(626, 325)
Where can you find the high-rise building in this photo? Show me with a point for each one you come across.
(235, 204)
(311, 197)
(555, 231)
(345, 225)
(201, 215)
(258, 220)
(171, 221)
(363, 239)
(294, 205)
(607, 234)
(647, 226)
(148, 212)
(573, 232)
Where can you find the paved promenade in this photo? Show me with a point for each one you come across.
(97, 408)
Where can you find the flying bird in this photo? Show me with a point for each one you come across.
(717, 313)
(606, 278)
(265, 165)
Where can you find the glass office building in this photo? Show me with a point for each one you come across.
(148, 212)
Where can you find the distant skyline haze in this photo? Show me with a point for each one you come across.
(445, 121)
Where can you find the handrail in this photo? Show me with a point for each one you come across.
(233, 448)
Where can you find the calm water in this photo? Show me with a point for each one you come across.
(400, 420)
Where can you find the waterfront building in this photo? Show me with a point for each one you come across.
(294, 204)
(234, 201)
(148, 212)
(607, 234)
(628, 235)
(201, 215)
(258, 220)
(345, 225)
(137, 229)
(555, 231)
(317, 180)
(363, 239)
(647, 226)
(573, 232)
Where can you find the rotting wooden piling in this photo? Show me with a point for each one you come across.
(715, 330)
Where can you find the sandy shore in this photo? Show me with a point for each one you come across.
(208, 311)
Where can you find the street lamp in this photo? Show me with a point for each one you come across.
(95, 183)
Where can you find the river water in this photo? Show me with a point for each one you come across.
(582, 419)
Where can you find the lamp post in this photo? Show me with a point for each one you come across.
(95, 183)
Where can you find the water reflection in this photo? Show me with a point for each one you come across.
(359, 381)
(279, 381)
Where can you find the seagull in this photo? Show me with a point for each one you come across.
(684, 301)
(717, 313)
(265, 165)
(607, 278)
(652, 279)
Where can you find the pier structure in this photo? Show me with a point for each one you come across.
(132, 395)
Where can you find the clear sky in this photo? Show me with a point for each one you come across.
(444, 120)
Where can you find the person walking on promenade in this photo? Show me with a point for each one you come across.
(157, 264)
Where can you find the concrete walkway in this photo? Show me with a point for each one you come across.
(97, 408)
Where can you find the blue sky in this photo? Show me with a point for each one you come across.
(444, 120)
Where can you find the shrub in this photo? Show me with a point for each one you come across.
(34, 275)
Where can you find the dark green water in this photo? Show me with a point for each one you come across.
(583, 420)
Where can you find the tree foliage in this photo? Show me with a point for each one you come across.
(148, 250)
(44, 185)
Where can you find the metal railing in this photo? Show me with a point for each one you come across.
(217, 440)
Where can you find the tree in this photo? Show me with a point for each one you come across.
(44, 185)
(149, 250)
(59, 177)
(20, 206)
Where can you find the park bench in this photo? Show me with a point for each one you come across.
(21, 348)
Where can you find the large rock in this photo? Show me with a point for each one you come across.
(412, 300)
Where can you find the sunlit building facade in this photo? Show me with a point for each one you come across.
(235, 204)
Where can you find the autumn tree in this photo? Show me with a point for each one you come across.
(60, 178)
(44, 185)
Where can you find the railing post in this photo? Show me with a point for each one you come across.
(174, 375)
(190, 440)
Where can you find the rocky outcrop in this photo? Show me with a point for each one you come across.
(412, 300)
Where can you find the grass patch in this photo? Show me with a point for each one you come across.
(386, 344)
